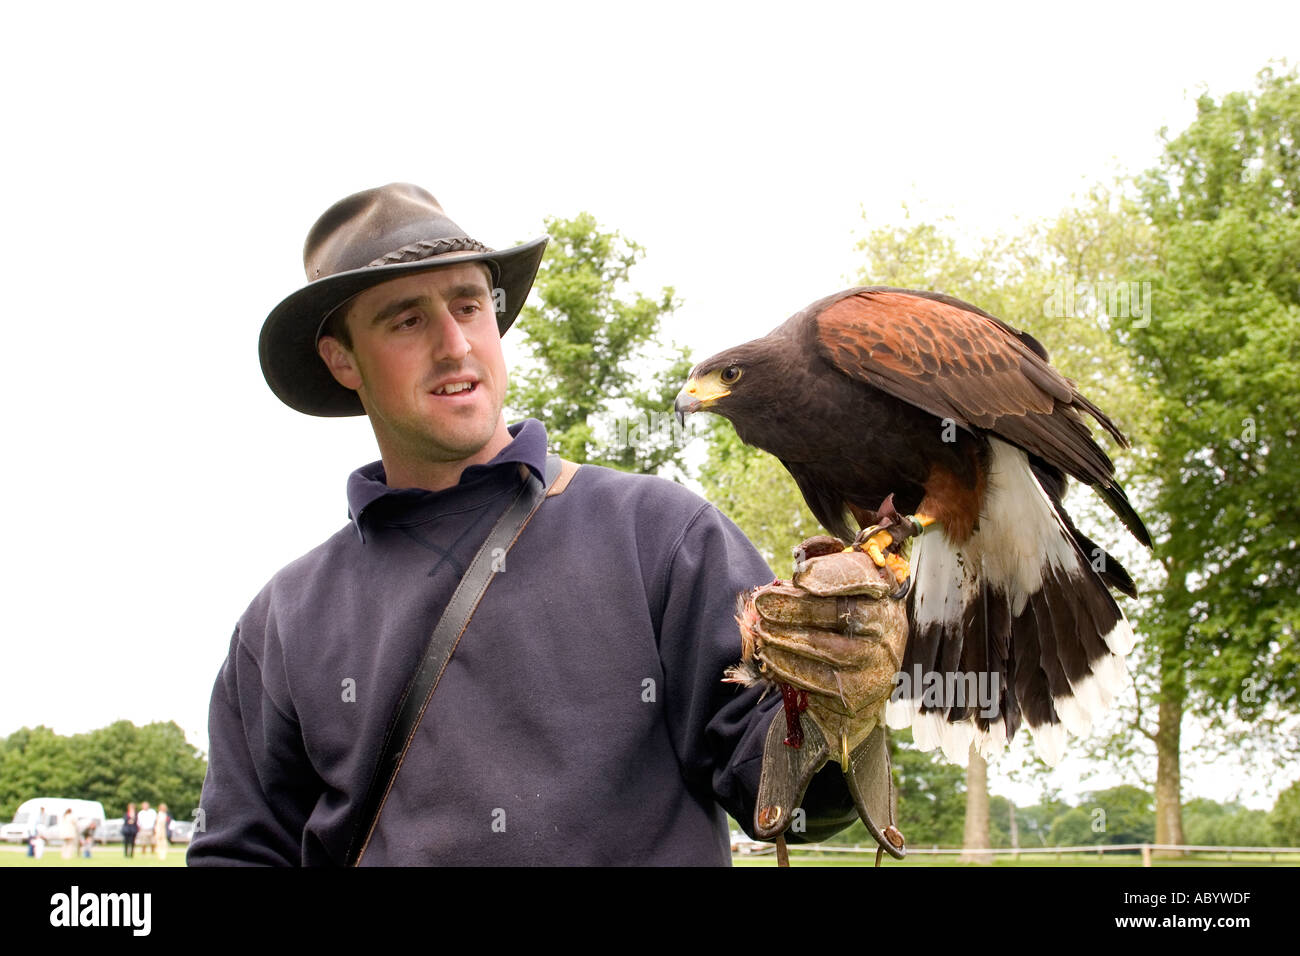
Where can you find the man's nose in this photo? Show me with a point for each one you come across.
(451, 342)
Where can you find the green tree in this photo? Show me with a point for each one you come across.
(154, 762)
(35, 762)
(114, 765)
(1035, 822)
(1209, 823)
(1000, 811)
(1017, 277)
(599, 378)
(930, 798)
(1021, 278)
(1129, 814)
(1121, 814)
(1221, 354)
(1284, 819)
(931, 795)
(1074, 827)
(755, 491)
(1201, 377)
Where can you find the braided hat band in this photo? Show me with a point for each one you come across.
(415, 251)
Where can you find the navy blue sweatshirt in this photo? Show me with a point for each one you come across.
(581, 720)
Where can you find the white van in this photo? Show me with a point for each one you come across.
(84, 810)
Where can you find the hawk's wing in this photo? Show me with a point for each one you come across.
(960, 363)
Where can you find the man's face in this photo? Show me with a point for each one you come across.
(426, 362)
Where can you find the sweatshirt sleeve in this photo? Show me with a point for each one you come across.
(260, 787)
(719, 728)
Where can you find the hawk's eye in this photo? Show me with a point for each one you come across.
(730, 374)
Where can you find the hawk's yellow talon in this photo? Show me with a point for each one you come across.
(875, 542)
(898, 567)
(875, 546)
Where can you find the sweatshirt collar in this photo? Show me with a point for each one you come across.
(368, 484)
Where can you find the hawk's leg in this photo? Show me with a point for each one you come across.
(885, 542)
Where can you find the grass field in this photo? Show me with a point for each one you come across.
(110, 855)
(868, 858)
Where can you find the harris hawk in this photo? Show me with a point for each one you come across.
(925, 417)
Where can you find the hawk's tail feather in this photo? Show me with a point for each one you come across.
(1017, 616)
(1114, 496)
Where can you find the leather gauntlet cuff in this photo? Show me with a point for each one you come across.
(787, 771)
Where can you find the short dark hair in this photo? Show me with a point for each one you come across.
(336, 325)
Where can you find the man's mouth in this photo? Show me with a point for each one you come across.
(454, 388)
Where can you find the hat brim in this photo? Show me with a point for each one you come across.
(287, 346)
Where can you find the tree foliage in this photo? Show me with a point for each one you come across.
(931, 798)
(1222, 357)
(1041, 279)
(1015, 277)
(1284, 820)
(755, 491)
(1174, 303)
(931, 794)
(115, 765)
(932, 806)
(1035, 822)
(599, 379)
(1207, 823)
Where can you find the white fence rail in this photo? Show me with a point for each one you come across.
(1145, 849)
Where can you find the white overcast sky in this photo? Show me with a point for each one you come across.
(162, 164)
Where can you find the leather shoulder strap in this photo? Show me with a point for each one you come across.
(446, 635)
(567, 468)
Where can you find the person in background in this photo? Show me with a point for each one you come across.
(69, 835)
(161, 828)
(88, 838)
(148, 817)
(130, 827)
(36, 835)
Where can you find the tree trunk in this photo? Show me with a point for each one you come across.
(1015, 829)
(975, 841)
(1169, 803)
(1169, 724)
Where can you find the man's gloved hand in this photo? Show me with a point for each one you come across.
(831, 640)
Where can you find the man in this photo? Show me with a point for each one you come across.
(162, 830)
(36, 835)
(146, 820)
(582, 716)
(130, 827)
(70, 834)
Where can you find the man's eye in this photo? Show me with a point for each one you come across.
(407, 322)
(469, 308)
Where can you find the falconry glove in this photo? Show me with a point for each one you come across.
(831, 640)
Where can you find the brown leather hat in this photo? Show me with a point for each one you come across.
(372, 237)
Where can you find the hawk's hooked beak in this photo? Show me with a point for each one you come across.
(699, 393)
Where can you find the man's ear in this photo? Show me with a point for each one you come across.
(340, 361)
